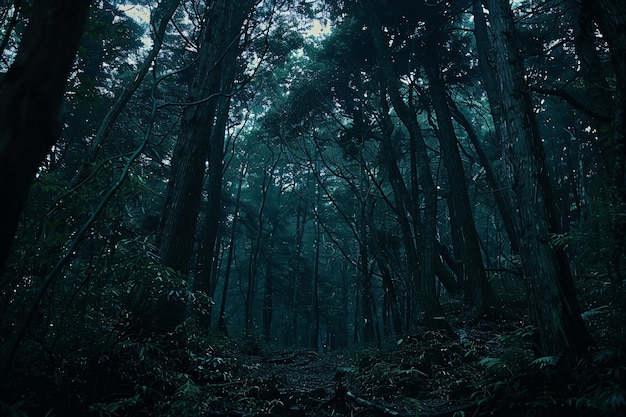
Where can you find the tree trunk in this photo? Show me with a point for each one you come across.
(389, 289)
(31, 98)
(221, 324)
(205, 278)
(503, 196)
(30, 103)
(423, 267)
(162, 16)
(315, 308)
(554, 308)
(268, 289)
(297, 271)
(610, 15)
(367, 298)
(255, 246)
(179, 217)
(464, 236)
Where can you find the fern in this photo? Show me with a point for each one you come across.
(546, 361)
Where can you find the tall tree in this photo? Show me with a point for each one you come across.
(554, 308)
(179, 218)
(423, 265)
(31, 98)
(464, 235)
(502, 194)
(610, 16)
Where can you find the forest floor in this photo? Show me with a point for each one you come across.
(488, 368)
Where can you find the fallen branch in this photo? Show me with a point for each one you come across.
(343, 393)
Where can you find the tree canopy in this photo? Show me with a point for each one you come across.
(426, 198)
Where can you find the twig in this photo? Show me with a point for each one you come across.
(344, 393)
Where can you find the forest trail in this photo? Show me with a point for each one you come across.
(487, 368)
(295, 383)
(415, 374)
(305, 371)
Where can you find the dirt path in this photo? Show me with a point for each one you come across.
(295, 383)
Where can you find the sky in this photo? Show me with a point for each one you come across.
(141, 14)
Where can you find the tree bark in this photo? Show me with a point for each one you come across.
(31, 98)
(179, 217)
(464, 236)
(554, 308)
(423, 266)
(610, 15)
(503, 196)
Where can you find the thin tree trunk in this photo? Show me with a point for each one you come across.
(255, 248)
(221, 324)
(367, 298)
(315, 308)
(162, 16)
(424, 273)
(268, 290)
(389, 290)
(297, 271)
(464, 235)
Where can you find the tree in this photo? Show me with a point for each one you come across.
(177, 231)
(160, 21)
(31, 100)
(611, 18)
(422, 263)
(464, 235)
(554, 308)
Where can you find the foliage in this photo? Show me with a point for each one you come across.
(313, 222)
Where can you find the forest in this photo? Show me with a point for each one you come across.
(312, 208)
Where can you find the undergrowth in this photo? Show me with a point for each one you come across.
(488, 368)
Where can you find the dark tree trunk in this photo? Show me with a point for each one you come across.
(255, 246)
(389, 288)
(179, 218)
(205, 280)
(177, 229)
(315, 308)
(423, 266)
(554, 308)
(367, 298)
(31, 97)
(610, 15)
(221, 324)
(502, 195)
(268, 289)
(297, 272)
(464, 236)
